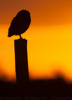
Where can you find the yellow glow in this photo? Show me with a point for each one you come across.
(49, 51)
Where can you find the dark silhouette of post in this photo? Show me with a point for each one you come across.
(21, 61)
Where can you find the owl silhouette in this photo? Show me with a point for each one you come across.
(20, 23)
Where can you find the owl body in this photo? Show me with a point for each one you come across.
(20, 23)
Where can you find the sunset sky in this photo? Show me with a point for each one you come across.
(49, 38)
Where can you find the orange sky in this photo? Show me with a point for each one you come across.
(43, 12)
(49, 38)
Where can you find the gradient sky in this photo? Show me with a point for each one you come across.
(43, 12)
(49, 38)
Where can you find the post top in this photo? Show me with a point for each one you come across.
(20, 40)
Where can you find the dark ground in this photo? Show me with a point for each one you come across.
(56, 89)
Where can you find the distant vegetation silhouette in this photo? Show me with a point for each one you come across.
(20, 23)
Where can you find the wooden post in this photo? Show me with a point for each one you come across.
(21, 61)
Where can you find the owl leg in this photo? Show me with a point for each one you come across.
(20, 36)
